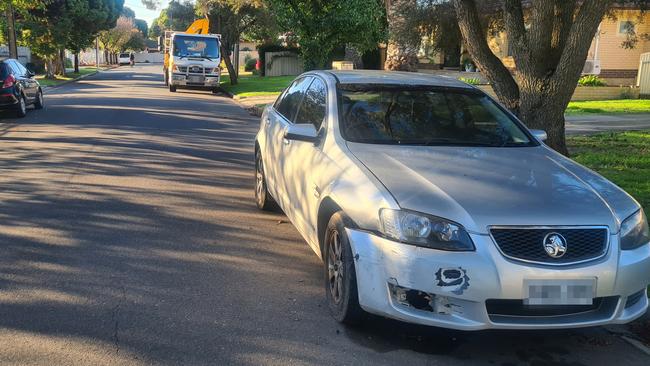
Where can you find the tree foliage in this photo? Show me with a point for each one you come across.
(177, 16)
(124, 36)
(321, 26)
(50, 26)
(232, 18)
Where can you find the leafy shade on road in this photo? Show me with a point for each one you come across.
(61, 79)
(256, 86)
(609, 106)
(623, 158)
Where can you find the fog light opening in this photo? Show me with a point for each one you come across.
(420, 300)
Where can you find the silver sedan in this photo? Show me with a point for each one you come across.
(430, 203)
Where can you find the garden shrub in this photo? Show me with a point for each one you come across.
(250, 64)
(591, 80)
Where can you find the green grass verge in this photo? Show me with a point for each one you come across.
(623, 158)
(61, 79)
(255, 86)
(609, 106)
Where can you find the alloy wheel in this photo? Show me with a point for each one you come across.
(259, 181)
(335, 267)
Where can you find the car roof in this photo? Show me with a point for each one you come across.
(395, 78)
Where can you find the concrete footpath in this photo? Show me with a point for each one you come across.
(595, 123)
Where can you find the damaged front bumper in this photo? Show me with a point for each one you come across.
(483, 290)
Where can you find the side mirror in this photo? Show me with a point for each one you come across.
(301, 132)
(539, 134)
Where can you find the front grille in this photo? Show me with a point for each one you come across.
(193, 69)
(527, 244)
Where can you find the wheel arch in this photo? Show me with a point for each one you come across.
(327, 208)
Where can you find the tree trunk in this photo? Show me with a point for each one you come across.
(62, 61)
(541, 107)
(76, 62)
(402, 51)
(231, 69)
(549, 56)
(49, 69)
(352, 54)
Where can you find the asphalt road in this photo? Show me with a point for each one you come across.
(128, 235)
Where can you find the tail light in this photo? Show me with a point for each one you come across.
(9, 82)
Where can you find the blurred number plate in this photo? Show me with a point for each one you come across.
(195, 79)
(559, 292)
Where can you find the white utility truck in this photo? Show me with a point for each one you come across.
(192, 58)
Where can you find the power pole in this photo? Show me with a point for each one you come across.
(11, 25)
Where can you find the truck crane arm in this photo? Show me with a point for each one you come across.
(200, 26)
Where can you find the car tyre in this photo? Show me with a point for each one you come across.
(215, 90)
(340, 275)
(263, 198)
(22, 107)
(172, 88)
(38, 102)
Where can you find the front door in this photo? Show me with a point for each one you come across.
(279, 117)
(306, 164)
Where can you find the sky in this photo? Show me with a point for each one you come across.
(143, 13)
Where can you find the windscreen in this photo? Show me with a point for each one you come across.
(189, 46)
(425, 116)
(124, 55)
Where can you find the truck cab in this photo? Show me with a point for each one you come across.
(192, 61)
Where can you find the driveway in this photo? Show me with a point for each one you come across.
(129, 236)
(595, 123)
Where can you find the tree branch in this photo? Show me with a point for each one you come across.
(513, 16)
(476, 42)
(578, 42)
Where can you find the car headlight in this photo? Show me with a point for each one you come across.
(634, 231)
(424, 230)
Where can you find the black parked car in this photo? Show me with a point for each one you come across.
(18, 88)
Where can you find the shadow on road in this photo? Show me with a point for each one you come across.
(128, 230)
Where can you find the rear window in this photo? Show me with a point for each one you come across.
(406, 115)
(124, 55)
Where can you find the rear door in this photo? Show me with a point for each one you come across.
(280, 116)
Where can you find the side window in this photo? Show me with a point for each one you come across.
(288, 106)
(313, 108)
